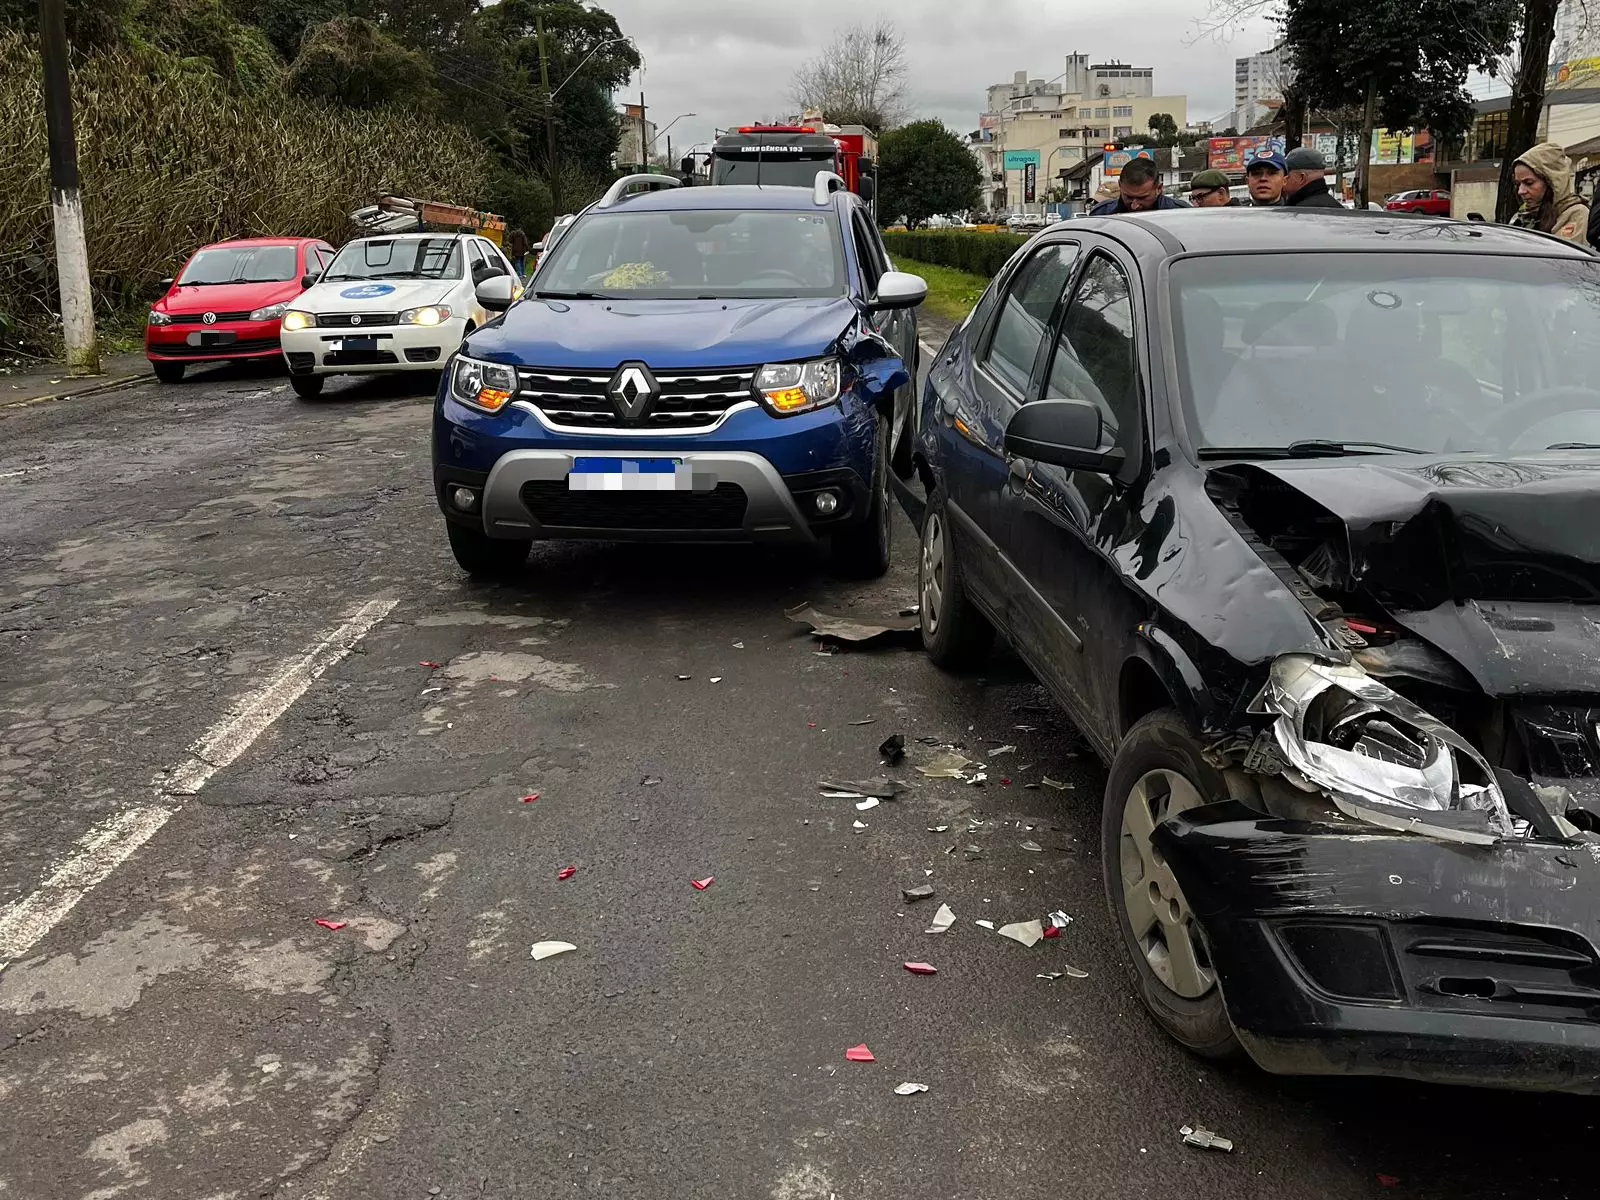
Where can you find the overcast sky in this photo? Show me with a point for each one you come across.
(730, 61)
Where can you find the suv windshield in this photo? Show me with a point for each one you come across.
(397, 258)
(241, 264)
(1440, 353)
(710, 254)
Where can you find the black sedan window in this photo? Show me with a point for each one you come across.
(1096, 358)
(1025, 314)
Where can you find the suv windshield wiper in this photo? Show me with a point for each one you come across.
(1574, 446)
(1307, 448)
(567, 296)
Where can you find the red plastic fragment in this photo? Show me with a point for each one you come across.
(529, 799)
(1388, 1181)
(701, 885)
(811, 724)
(921, 968)
(335, 926)
(566, 873)
(1050, 931)
(432, 666)
(1005, 783)
(859, 1054)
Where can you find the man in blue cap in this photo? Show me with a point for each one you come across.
(1266, 172)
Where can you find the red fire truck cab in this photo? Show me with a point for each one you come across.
(792, 155)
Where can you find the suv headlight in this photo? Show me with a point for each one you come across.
(790, 388)
(159, 318)
(294, 320)
(481, 385)
(270, 313)
(428, 314)
(1379, 757)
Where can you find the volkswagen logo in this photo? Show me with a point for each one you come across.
(210, 318)
(632, 391)
(356, 320)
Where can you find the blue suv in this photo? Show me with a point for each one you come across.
(712, 364)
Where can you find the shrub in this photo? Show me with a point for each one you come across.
(966, 250)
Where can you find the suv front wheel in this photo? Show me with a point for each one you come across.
(484, 557)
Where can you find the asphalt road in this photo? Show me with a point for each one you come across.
(174, 563)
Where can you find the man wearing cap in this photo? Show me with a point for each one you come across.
(1306, 185)
(1265, 172)
(1209, 189)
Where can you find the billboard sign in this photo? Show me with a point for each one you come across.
(1115, 160)
(1231, 154)
(1030, 183)
(1020, 160)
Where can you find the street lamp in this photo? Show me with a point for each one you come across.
(608, 42)
(662, 132)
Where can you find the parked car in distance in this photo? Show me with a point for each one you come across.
(717, 364)
(1335, 640)
(394, 302)
(1433, 203)
(228, 301)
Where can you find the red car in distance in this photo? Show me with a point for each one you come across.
(227, 303)
(1434, 203)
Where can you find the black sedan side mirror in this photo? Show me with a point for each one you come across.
(1064, 433)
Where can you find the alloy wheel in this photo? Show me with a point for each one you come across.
(1158, 914)
(933, 571)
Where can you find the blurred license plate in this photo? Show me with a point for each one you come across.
(208, 338)
(370, 343)
(630, 475)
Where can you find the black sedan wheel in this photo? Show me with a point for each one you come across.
(1158, 773)
(954, 633)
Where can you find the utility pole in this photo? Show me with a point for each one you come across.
(72, 256)
(549, 120)
(644, 138)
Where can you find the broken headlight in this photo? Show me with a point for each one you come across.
(1379, 757)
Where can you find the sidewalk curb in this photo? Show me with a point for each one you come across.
(94, 389)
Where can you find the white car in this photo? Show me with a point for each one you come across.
(399, 302)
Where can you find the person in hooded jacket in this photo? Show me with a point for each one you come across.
(1544, 182)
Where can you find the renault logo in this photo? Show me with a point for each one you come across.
(632, 390)
(210, 318)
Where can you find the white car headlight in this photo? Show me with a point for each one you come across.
(790, 388)
(159, 318)
(295, 320)
(1379, 757)
(270, 313)
(482, 385)
(428, 314)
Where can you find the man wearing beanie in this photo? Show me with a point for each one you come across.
(1306, 185)
(1209, 189)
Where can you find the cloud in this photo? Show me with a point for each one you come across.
(730, 61)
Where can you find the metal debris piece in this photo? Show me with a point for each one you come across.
(650, 781)
(1033, 847)
(1051, 976)
(942, 920)
(893, 748)
(989, 925)
(716, 679)
(868, 721)
(544, 950)
(867, 805)
(860, 789)
(921, 968)
(1028, 933)
(701, 885)
(999, 750)
(1057, 784)
(910, 1089)
(949, 765)
(859, 1054)
(938, 829)
(847, 629)
(566, 873)
(912, 895)
(1075, 973)
(332, 926)
(685, 678)
(1199, 1135)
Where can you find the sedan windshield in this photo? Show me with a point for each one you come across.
(1313, 354)
(712, 255)
(397, 258)
(240, 264)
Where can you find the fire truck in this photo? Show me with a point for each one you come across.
(791, 156)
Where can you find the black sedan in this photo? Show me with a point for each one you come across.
(1298, 516)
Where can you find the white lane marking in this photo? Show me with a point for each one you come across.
(930, 351)
(110, 843)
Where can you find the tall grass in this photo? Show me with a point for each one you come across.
(171, 158)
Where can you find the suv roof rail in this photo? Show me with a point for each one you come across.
(618, 192)
(827, 184)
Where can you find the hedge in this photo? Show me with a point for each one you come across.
(980, 254)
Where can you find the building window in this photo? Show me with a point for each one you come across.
(1122, 110)
(1102, 113)
(1122, 131)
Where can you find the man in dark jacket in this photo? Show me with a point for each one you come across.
(1306, 185)
(1138, 190)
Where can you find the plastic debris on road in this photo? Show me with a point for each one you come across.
(1057, 784)
(999, 750)
(701, 885)
(1059, 920)
(912, 895)
(860, 825)
(1388, 1181)
(1199, 1135)
(942, 920)
(859, 1054)
(1075, 973)
(921, 968)
(849, 629)
(716, 679)
(868, 804)
(685, 678)
(1051, 976)
(1050, 931)
(738, 645)
(910, 1089)
(1033, 847)
(989, 925)
(938, 829)
(566, 873)
(531, 798)
(432, 666)
(868, 721)
(332, 926)
(650, 781)
(861, 789)
(946, 766)
(544, 950)
(893, 748)
(1028, 933)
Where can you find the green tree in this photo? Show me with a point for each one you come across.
(1164, 127)
(925, 169)
(350, 61)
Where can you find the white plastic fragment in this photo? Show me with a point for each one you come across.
(989, 925)
(1199, 1135)
(1060, 920)
(544, 950)
(942, 920)
(859, 826)
(1028, 933)
(1057, 784)
(999, 750)
(1033, 847)
(869, 803)
(910, 1089)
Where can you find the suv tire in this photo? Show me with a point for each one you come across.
(863, 551)
(954, 633)
(169, 372)
(1159, 771)
(484, 557)
(307, 387)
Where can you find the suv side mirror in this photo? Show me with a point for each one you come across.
(494, 293)
(1064, 433)
(897, 289)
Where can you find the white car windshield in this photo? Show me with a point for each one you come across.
(710, 254)
(240, 264)
(1438, 353)
(397, 258)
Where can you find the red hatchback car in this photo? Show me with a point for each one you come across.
(1425, 200)
(227, 303)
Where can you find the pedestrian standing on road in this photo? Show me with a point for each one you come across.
(517, 244)
(1209, 189)
(1266, 174)
(1306, 180)
(1544, 182)
(1138, 190)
